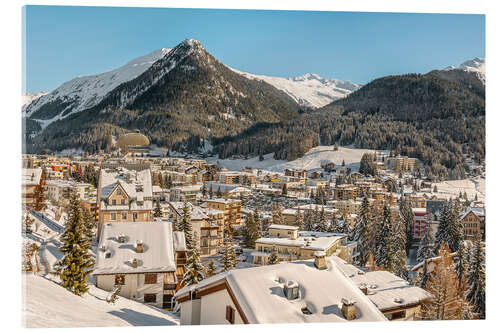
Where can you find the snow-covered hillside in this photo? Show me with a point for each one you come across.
(477, 65)
(452, 188)
(86, 91)
(312, 160)
(46, 304)
(29, 98)
(309, 90)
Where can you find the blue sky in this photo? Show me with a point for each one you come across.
(65, 42)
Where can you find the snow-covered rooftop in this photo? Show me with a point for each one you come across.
(31, 176)
(307, 240)
(136, 184)
(115, 257)
(259, 292)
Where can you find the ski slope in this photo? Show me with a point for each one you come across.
(452, 188)
(46, 304)
(311, 161)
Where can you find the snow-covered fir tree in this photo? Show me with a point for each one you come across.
(362, 233)
(89, 223)
(229, 257)
(308, 221)
(406, 212)
(299, 219)
(322, 222)
(185, 226)
(157, 211)
(211, 269)
(76, 263)
(462, 265)
(443, 234)
(383, 251)
(426, 245)
(398, 247)
(476, 278)
(194, 267)
(251, 232)
(27, 223)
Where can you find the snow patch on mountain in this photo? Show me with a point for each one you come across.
(86, 91)
(28, 98)
(308, 90)
(476, 65)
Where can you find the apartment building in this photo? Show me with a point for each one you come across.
(231, 209)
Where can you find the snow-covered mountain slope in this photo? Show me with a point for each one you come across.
(476, 65)
(86, 91)
(29, 98)
(309, 90)
(47, 304)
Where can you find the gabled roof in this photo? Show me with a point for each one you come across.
(259, 293)
(158, 255)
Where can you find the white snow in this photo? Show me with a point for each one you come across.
(29, 98)
(259, 292)
(158, 255)
(46, 304)
(87, 91)
(477, 65)
(309, 90)
(311, 161)
(452, 188)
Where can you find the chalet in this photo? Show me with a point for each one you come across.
(472, 220)
(141, 259)
(125, 196)
(304, 291)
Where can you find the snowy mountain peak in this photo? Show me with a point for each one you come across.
(310, 90)
(476, 65)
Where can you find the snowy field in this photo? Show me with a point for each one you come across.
(46, 304)
(472, 186)
(311, 161)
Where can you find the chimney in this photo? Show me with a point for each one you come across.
(319, 259)
(348, 309)
(135, 263)
(363, 288)
(139, 246)
(291, 290)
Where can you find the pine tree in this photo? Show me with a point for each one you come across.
(284, 190)
(456, 230)
(229, 257)
(88, 223)
(322, 225)
(211, 269)
(462, 266)
(185, 226)
(76, 263)
(194, 267)
(204, 190)
(398, 247)
(383, 249)
(299, 219)
(362, 233)
(308, 221)
(426, 245)
(157, 211)
(407, 214)
(273, 257)
(218, 194)
(211, 191)
(27, 223)
(443, 234)
(476, 278)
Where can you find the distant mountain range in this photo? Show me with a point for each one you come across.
(183, 96)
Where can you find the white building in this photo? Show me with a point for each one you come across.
(141, 258)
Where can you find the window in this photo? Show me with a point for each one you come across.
(124, 215)
(120, 279)
(135, 215)
(230, 314)
(149, 298)
(118, 191)
(123, 201)
(113, 216)
(113, 202)
(150, 278)
(397, 315)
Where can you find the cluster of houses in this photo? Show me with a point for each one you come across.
(144, 257)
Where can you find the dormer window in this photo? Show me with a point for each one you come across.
(118, 191)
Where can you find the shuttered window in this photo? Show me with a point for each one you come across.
(120, 279)
(149, 298)
(150, 278)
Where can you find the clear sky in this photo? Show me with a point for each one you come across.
(65, 42)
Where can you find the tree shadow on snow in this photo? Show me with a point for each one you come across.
(136, 318)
